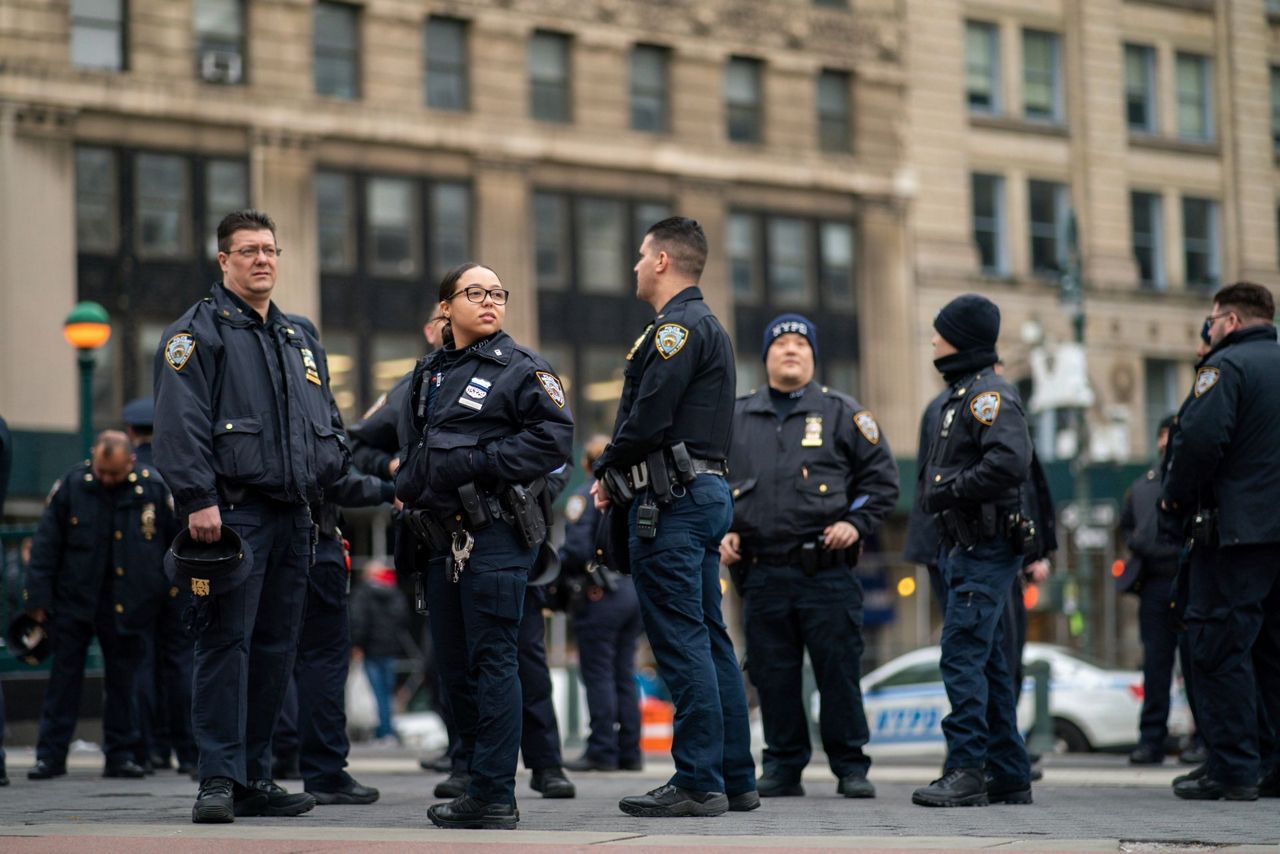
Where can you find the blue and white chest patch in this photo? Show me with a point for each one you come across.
(985, 407)
(1206, 378)
(551, 385)
(670, 338)
(309, 364)
(474, 394)
(179, 349)
(867, 426)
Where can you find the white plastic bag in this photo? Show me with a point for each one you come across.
(362, 706)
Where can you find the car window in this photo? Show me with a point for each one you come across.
(917, 674)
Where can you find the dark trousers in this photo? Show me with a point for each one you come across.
(475, 627)
(982, 728)
(677, 576)
(246, 643)
(121, 653)
(539, 734)
(607, 632)
(787, 613)
(164, 685)
(1158, 629)
(1233, 619)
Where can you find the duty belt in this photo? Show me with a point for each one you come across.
(435, 532)
(810, 557)
(638, 475)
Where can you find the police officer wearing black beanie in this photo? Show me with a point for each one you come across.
(976, 461)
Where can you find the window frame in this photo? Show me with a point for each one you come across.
(95, 22)
(561, 84)
(1154, 204)
(1056, 113)
(740, 113)
(460, 30)
(659, 95)
(1062, 218)
(1146, 54)
(337, 53)
(1204, 105)
(991, 70)
(835, 128)
(998, 223)
(232, 43)
(1212, 250)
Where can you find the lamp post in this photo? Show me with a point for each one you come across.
(86, 328)
(1072, 296)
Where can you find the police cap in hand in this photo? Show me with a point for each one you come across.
(211, 568)
(28, 640)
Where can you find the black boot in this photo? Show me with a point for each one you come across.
(959, 787)
(1208, 789)
(453, 786)
(1268, 786)
(349, 792)
(1008, 792)
(1194, 774)
(669, 801)
(772, 786)
(552, 783)
(856, 785)
(43, 770)
(126, 768)
(466, 813)
(216, 802)
(744, 801)
(1145, 755)
(278, 801)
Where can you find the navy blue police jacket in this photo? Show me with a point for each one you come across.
(375, 438)
(826, 462)
(245, 402)
(1224, 451)
(923, 536)
(678, 386)
(93, 542)
(982, 451)
(585, 540)
(498, 416)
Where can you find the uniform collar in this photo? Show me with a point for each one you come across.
(689, 294)
(235, 310)
(497, 348)
(810, 401)
(1261, 332)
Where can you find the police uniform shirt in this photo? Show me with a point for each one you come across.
(678, 386)
(1225, 452)
(827, 461)
(244, 401)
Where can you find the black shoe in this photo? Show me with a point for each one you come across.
(466, 813)
(959, 787)
(216, 803)
(588, 763)
(286, 767)
(1208, 789)
(1008, 792)
(349, 792)
(1194, 756)
(453, 786)
(631, 764)
(277, 801)
(745, 802)
(43, 770)
(127, 769)
(552, 783)
(770, 786)
(856, 785)
(668, 801)
(1194, 774)
(1145, 755)
(442, 763)
(1268, 786)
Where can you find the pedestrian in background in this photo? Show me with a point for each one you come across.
(379, 619)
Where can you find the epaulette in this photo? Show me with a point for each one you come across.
(748, 395)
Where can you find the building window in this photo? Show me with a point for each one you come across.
(445, 48)
(643, 216)
(833, 111)
(742, 238)
(1147, 230)
(162, 193)
(394, 227)
(551, 241)
(1140, 88)
(836, 260)
(98, 34)
(1200, 242)
(336, 48)
(1195, 98)
(788, 269)
(1275, 107)
(742, 99)
(603, 245)
(1041, 76)
(1163, 394)
(96, 201)
(649, 86)
(988, 223)
(226, 189)
(1049, 209)
(336, 222)
(982, 67)
(219, 36)
(450, 232)
(549, 96)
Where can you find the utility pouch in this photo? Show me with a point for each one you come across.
(809, 558)
(989, 522)
(683, 463)
(958, 528)
(1204, 528)
(616, 486)
(659, 477)
(526, 516)
(647, 520)
(473, 504)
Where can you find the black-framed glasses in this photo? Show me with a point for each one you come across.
(1210, 318)
(250, 253)
(477, 294)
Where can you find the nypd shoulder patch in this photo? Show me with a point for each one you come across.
(178, 349)
(867, 426)
(985, 407)
(1206, 378)
(574, 508)
(551, 385)
(670, 339)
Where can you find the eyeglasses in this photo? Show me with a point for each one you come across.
(1210, 318)
(250, 253)
(477, 294)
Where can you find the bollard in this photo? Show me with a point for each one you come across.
(1041, 738)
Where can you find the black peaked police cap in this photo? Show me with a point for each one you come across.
(211, 568)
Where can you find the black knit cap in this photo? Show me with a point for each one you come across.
(969, 322)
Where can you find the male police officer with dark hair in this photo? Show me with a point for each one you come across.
(665, 469)
(977, 463)
(812, 478)
(97, 570)
(1223, 479)
(248, 435)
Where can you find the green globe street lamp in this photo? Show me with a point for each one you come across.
(87, 328)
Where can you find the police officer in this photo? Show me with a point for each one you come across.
(1224, 475)
(606, 623)
(484, 422)
(249, 435)
(97, 570)
(139, 420)
(977, 462)
(812, 478)
(670, 443)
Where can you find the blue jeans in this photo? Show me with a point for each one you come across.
(677, 576)
(382, 678)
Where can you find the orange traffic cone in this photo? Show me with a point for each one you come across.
(656, 725)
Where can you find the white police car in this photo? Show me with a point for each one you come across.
(1092, 707)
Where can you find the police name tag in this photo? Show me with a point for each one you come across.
(309, 363)
(474, 394)
(812, 432)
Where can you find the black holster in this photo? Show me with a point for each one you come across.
(959, 528)
(659, 477)
(1204, 527)
(526, 516)
(473, 504)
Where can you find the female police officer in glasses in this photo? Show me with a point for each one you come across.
(485, 419)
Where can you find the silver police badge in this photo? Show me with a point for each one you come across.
(551, 385)
(474, 394)
(178, 350)
(1206, 378)
(985, 407)
(867, 426)
(669, 338)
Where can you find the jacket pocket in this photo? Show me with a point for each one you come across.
(742, 488)
(822, 494)
(237, 449)
(329, 455)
